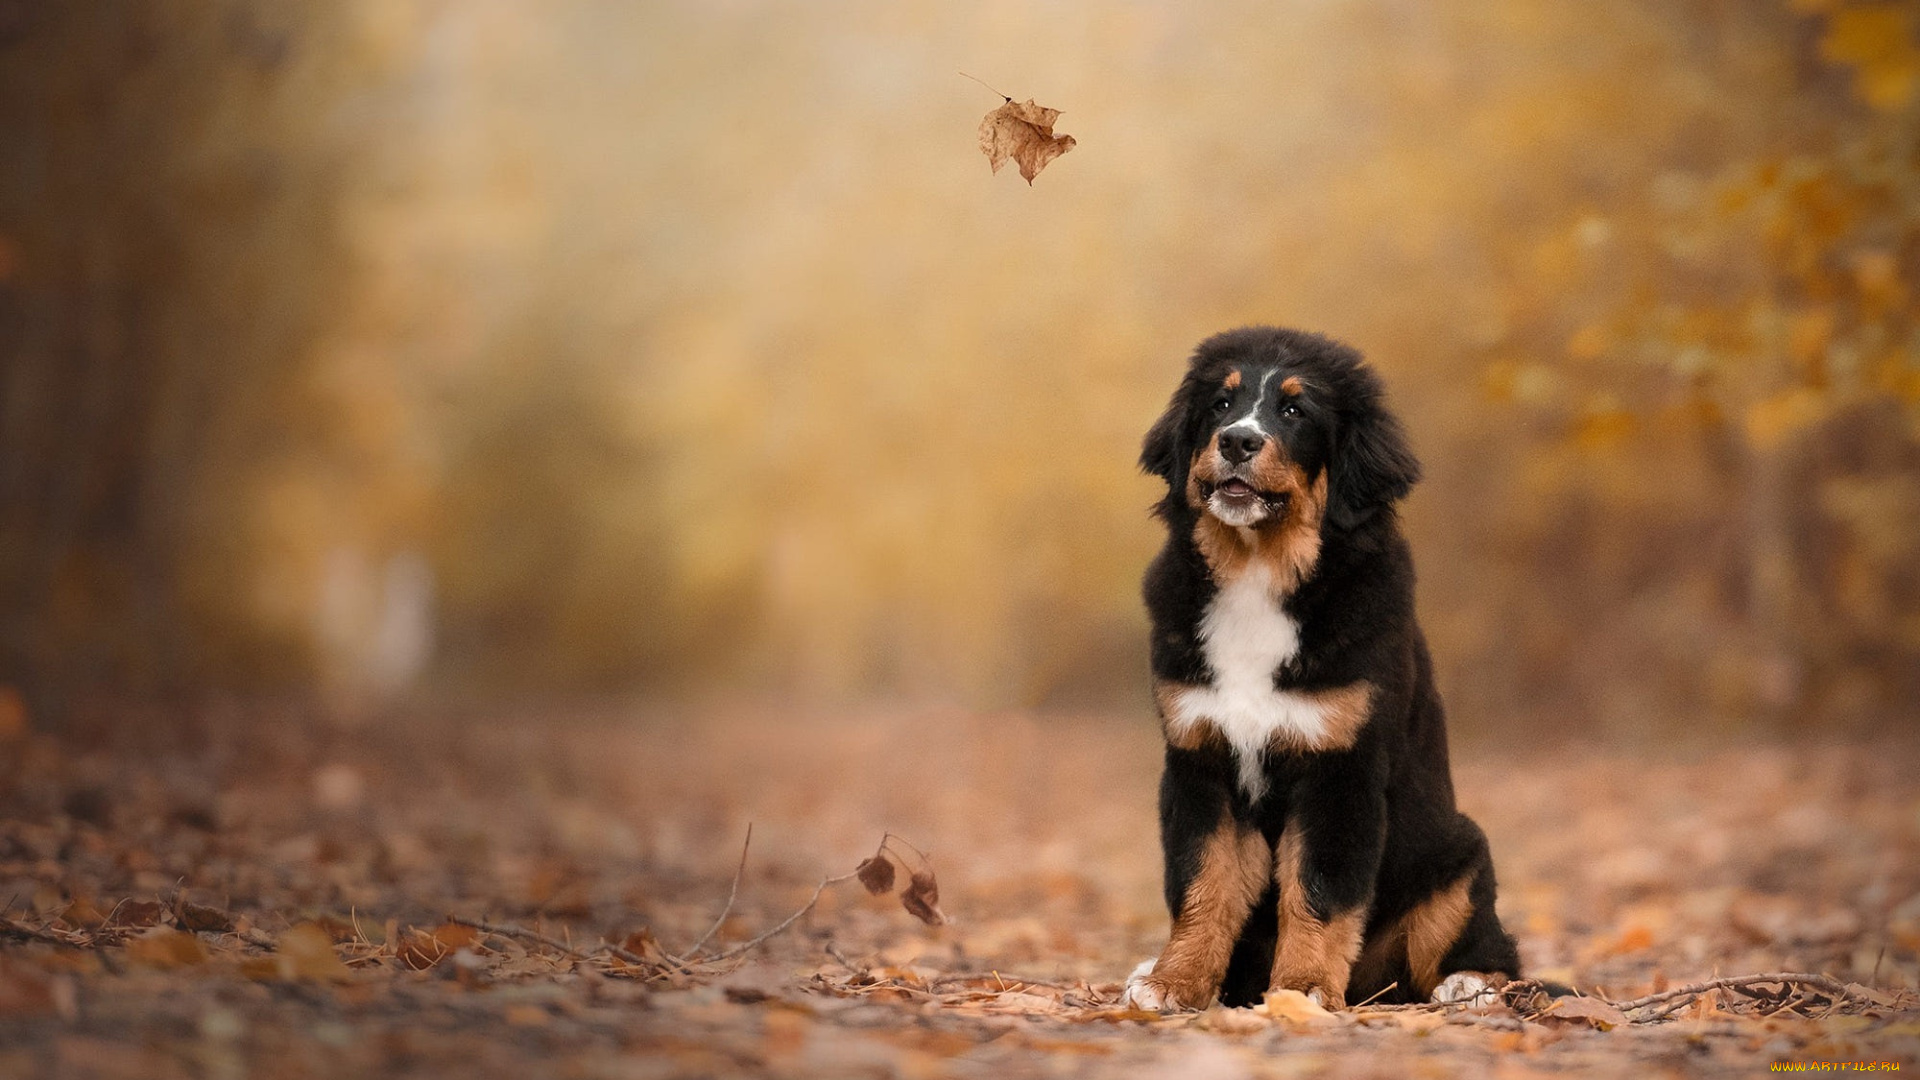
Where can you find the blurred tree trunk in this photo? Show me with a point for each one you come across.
(166, 253)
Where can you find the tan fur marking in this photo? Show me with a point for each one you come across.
(1345, 709)
(1233, 873)
(1432, 928)
(1292, 385)
(1421, 937)
(1289, 547)
(1233, 380)
(1166, 695)
(1312, 954)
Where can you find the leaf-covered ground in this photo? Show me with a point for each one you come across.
(252, 895)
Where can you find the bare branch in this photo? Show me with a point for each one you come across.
(784, 923)
(521, 932)
(1830, 986)
(732, 894)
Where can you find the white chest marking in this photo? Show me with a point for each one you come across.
(1246, 637)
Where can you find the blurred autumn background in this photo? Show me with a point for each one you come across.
(380, 352)
(445, 446)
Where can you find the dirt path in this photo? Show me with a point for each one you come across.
(256, 899)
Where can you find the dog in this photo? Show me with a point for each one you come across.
(1306, 808)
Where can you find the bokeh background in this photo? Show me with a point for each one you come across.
(380, 352)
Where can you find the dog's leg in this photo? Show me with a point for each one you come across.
(1217, 867)
(1466, 954)
(1326, 864)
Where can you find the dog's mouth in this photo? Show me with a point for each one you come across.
(1235, 493)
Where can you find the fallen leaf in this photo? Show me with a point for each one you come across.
(1585, 1010)
(921, 898)
(1296, 1008)
(455, 935)
(1231, 1021)
(1023, 132)
(137, 913)
(306, 952)
(876, 874)
(643, 944)
(420, 950)
(201, 917)
(164, 947)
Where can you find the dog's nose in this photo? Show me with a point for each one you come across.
(1239, 446)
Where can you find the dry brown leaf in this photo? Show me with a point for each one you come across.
(876, 874)
(420, 950)
(1024, 133)
(643, 944)
(164, 947)
(1585, 1010)
(1226, 1021)
(921, 898)
(1296, 1008)
(137, 913)
(306, 952)
(201, 917)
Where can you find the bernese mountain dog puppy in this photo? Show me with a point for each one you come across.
(1306, 810)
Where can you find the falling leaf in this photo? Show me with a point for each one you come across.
(1585, 1010)
(876, 874)
(921, 898)
(1023, 132)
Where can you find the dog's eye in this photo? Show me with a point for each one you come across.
(1220, 405)
(1289, 409)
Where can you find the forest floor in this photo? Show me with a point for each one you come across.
(255, 895)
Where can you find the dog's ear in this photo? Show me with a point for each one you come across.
(1162, 452)
(1372, 467)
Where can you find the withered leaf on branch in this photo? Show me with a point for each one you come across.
(921, 898)
(876, 874)
(201, 917)
(1023, 132)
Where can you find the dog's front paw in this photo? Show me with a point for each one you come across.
(1464, 988)
(1156, 993)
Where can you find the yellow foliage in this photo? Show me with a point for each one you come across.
(1877, 39)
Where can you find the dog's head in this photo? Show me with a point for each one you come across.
(1262, 417)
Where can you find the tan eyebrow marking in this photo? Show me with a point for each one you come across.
(1292, 385)
(1233, 380)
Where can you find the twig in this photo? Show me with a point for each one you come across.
(732, 894)
(983, 82)
(31, 934)
(748, 946)
(1377, 993)
(510, 930)
(1830, 986)
(108, 921)
(841, 959)
(887, 838)
(1004, 979)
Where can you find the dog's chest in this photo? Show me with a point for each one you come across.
(1246, 638)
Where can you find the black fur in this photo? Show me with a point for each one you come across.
(1379, 827)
